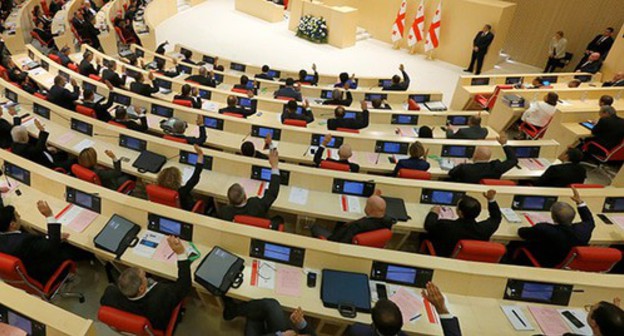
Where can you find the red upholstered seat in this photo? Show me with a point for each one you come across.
(591, 259)
(487, 101)
(95, 77)
(55, 58)
(183, 102)
(164, 196)
(124, 40)
(73, 67)
(173, 138)
(237, 90)
(296, 122)
(332, 165)
(284, 98)
(86, 111)
(376, 238)
(235, 115)
(89, 175)
(36, 36)
(40, 96)
(607, 155)
(412, 105)
(472, 250)
(586, 186)
(348, 130)
(414, 174)
(495, 182)
(533, 132)
(125, 322)
(256, 221)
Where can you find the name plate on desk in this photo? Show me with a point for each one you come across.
(121, 99)
(480, 81)
(317, 140)
(213, 123)
(261, 132)
(441, 197)
(355, 188)
(401, 275)
(162, 111)
(277, 252)
(539, 292)
(81, 127)
(83, 199)
(527, 152)
(535, 203)
(238, 67)
(458, 151)
(613, 204)
(17, 173)
(205, 94)
(190, 158)
(457, 120)
(390, 147)
(170, 226)
(132, 143)
(420, 98)
(404, 119)
(373, 96)
(264, 174)
(41, 111)
(17, 320)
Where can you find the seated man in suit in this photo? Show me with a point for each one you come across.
(41, 254)
(86, 68)
(62, 97)
(179, 127)
(186, 56)
(344, 154)
(608, 131)
(337, 98)
(592, 65)
(36, 152)
(110, 74)
(140, 87)
(204, 78)
(618, 80)
(266, 317)
(379, 104)
(417, 159)
(551, 243)
(6, 141)
(45, 35)
(339, 121)
(474, 131)
(137, 294)
(232, 107)
(482, 167)
(344, 80)
(291, 112)
(444, 233)
(255, 206)
(100, 108)
(160, 67)
(121, 117)
(570, 171)
(249, 149)
(288, 91)
(64, 56)
(375, 219)
(243, 84)
(397, 84)
(606, 318)
(605, 100)
(303, 74)
(265, 73)
(189, 93)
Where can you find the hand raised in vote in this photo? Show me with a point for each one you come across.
(314, 66)
(327, 140)
(401, 67)
(434, 295)
(110, 154)
(616, 301)
(273, 158)
(44, 208)
(490, 194)
(297, 316)
(151, 75)
(109, 85)
(364, 105)
(267, 140)
(39, 125)
(250, 94)
(576, 197)
(64, 236)
(200, 153)
(73, 82)
(11, 111)
(175, 244)
(199, 121)
(306, 104)
(436, 209)
(194, 91)
(4, 189)
(502, 139)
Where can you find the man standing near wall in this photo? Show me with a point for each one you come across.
(480, 46)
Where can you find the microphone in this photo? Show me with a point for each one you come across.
(246, 136)
(105, 135)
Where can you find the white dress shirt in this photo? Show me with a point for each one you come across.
(538, 114)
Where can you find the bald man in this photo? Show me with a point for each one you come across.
(344, 154)
(339, 121)
(474, 131)
(551, 243)
(618, 80)
(592, 65)
(204, 78)
(232, 107)
(375, 219)
(482, 167)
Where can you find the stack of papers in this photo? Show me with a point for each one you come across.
(86, 143)
(298, 195)
(350, 204)
(289, 281)
(254, 187)
(406, 131)
(618, 220)
(148, 243)
(410, 304)
(534, 164)
(549, 320)
(75, 217)
(447, 213)
(537, 217)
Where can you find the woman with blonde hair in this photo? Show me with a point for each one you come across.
(417, 159)
(110, 178)
(171, 178)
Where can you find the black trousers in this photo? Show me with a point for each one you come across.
(552, 64)
(263, 316)
(477, 57)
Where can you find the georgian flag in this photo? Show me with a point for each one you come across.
(417, 30)
(398, 28)
(433, 36)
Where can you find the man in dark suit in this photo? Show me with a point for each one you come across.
(266, 317)
(179, 127)
(344, 154)
(417, 159)
(265, 73)
(375, 219)
(566, 173)
(303, 77)
(291, 112)
(397, 84)
(186, 56)
(600, 44)
(606, 318)
(618, 80)
(110, 74)
(339, 121)
(189, 94)
(379, 104)
(444, 233)
(121, 117)
(245, 85)
(64, 56)
(5, 128)
(551, 243)
(62, 97)
(255, 206)
(100, 108)
(249, 149)
(608, 131)
(232, 107)
(474, 131)
(37, 153)
(288, 91)
(140, 87)
(41, 254)
(337, 99)
(204, 78)
(137, 294)
(480, 45)
(592, 65)
(86, 68)
(482, 167)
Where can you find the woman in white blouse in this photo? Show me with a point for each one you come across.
(556, 52)
(540, 113)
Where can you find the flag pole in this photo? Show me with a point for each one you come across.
(429, 56)
(412, 50)
(395, 45)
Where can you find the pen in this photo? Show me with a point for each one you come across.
(171, 255)
(415, 317)
(518, 317)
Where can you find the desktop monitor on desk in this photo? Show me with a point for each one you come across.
(441, 197)
(404, 119)
(29, 326)
(480, 81)
(458, 151)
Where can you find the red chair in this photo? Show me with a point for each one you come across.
(414, 174)
(123, 39)
(591, 259)
(89, 175)
(55, 58)
(296, 122)
(117, 124)
(13, 272)
(348, 130)
(333, 165)
(376, 238)
(586, 186)
(285, 4)
(125, 322)
(36, 36)
(495, 182)
(487, 101)
(73, 67)
(235, 115)
(284, 98)
(161, 195)
(607, 155)
(237, 90)
(95, 77)
(4, 74)
(471, 250)
(86, 111)
(80, 39)
(256, 221)
(533, 132)
(412, 105)
(40, 96)
(45, 8)
(183, 102)
(173, 138)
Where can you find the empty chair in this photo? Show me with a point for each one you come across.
(257, 222)
(376, 238)
(471, 250)
(125, 322)
(165, 196)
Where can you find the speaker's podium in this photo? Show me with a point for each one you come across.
(262, 9)
(341, 20)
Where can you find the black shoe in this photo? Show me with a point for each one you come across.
(467, 70)
(478, 73)
(229, 309)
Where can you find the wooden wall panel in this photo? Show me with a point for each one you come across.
(615, 61)
(536, 21)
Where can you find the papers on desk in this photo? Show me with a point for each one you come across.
(148, 243)
(618, 220)
(447, 213)
(576, 321)
(164, 253)
(373, 158)
(298, 195)
(407, 131)
(9, 330)
(549, 320)
(187, 172)
(511, 215)
(450, 163)
(350, 204)
(65, 138)
(86, 143)
(410, 304)
(75, 217)
(289, 281)
(254, 187)
(516, 317)
(36, 71)
(534, 164)
(537, 217)
(263, 274)
(12, 186)
(209, 106)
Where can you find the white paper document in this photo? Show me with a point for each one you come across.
(86, 143)
(148, 243)
(298, 195)
(516, 317)
(510, 215)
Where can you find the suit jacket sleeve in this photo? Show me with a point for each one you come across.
(50, 244)
(42, 141)
(406, 81)
(331, 124)
(180, 289)
(74, 95)
(107, 174)
(349, 99)
(430, 222)
(457, 173)
(192, 182)
(271, 194)
(547, 176)
(143, 127)
(598, 129)
(364, 119)
(318, 156)
(450, 327)
(532, 233)
(493, 222)
(586, 227)
(309, 116)
(200, 139)
(509, 162)
(109, 101)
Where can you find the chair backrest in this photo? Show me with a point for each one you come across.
(497, 89)
(40, 96)
(617, 153)
(120, 34)
(586, 186)
(36, 36)
(284, 98)
(95, 77)
(85, 174)
(86, 111)
(496, 182)
(183, 102)
(295, 122)
(173, 138)
(237, 90)
(3, 73)
(73, 67)
(412, 105)
(348, 130)
(125, 322)
(476, 250)
(235, 115)
(256, 221)
(414, 174)
(162, 195)
(376, 238)
(13, 272)
(591, 259)
(326, 164)
(45, 8)
(55, 58)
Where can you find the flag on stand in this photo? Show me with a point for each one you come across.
(398, 28)
(433, 36)
(417, 30)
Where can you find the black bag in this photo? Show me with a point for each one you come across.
(149, 162)
(219, 271)
(117, 235)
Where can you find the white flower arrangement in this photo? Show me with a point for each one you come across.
(313, 29)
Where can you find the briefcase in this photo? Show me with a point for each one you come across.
(149, 162)
(117, 235)
(219, 271)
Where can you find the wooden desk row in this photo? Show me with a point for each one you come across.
(474, 290)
